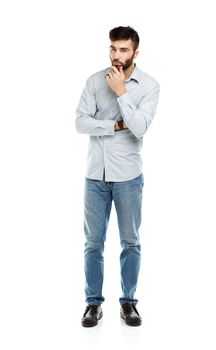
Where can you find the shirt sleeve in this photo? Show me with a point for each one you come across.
(138, 118)
(85, 122)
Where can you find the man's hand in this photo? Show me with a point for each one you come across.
(116, 80)
(120, 126)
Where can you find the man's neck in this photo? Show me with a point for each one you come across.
(129, 71)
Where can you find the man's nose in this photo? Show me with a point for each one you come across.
(116, 55)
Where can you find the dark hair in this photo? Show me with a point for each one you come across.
(125, 33)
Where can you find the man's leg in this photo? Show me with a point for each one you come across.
(127, 197)
(97, 207)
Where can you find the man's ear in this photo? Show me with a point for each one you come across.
(136, 53)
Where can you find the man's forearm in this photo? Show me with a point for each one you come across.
(94, 127)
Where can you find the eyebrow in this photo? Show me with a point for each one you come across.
(121, 48)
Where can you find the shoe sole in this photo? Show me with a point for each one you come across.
(133, 323)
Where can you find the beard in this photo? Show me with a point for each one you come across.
(125, 65)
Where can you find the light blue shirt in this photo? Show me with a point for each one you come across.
(116, 152)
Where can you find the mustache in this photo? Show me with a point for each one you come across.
(117, 62)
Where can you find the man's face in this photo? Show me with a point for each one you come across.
(122, 53)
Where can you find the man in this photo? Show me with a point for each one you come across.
(115, 109)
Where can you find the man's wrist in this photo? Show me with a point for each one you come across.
(121, 91)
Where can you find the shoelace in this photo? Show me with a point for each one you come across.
(129, 307)
(92, 309)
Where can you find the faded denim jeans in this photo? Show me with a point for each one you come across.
(127, 197)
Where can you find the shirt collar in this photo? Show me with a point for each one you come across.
(135, 75)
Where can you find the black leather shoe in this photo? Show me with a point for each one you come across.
(130, 315)
(92, 314)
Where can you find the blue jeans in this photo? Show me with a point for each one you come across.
(127, 197)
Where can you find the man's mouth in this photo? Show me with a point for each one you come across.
(116, 63)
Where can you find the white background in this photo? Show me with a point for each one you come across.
(48, 49)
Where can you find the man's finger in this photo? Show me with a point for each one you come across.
(115, 69)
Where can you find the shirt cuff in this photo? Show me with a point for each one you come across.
(108, 126)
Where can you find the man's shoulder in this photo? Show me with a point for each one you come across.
(146, 78)
(97, 80)
(99, 74)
